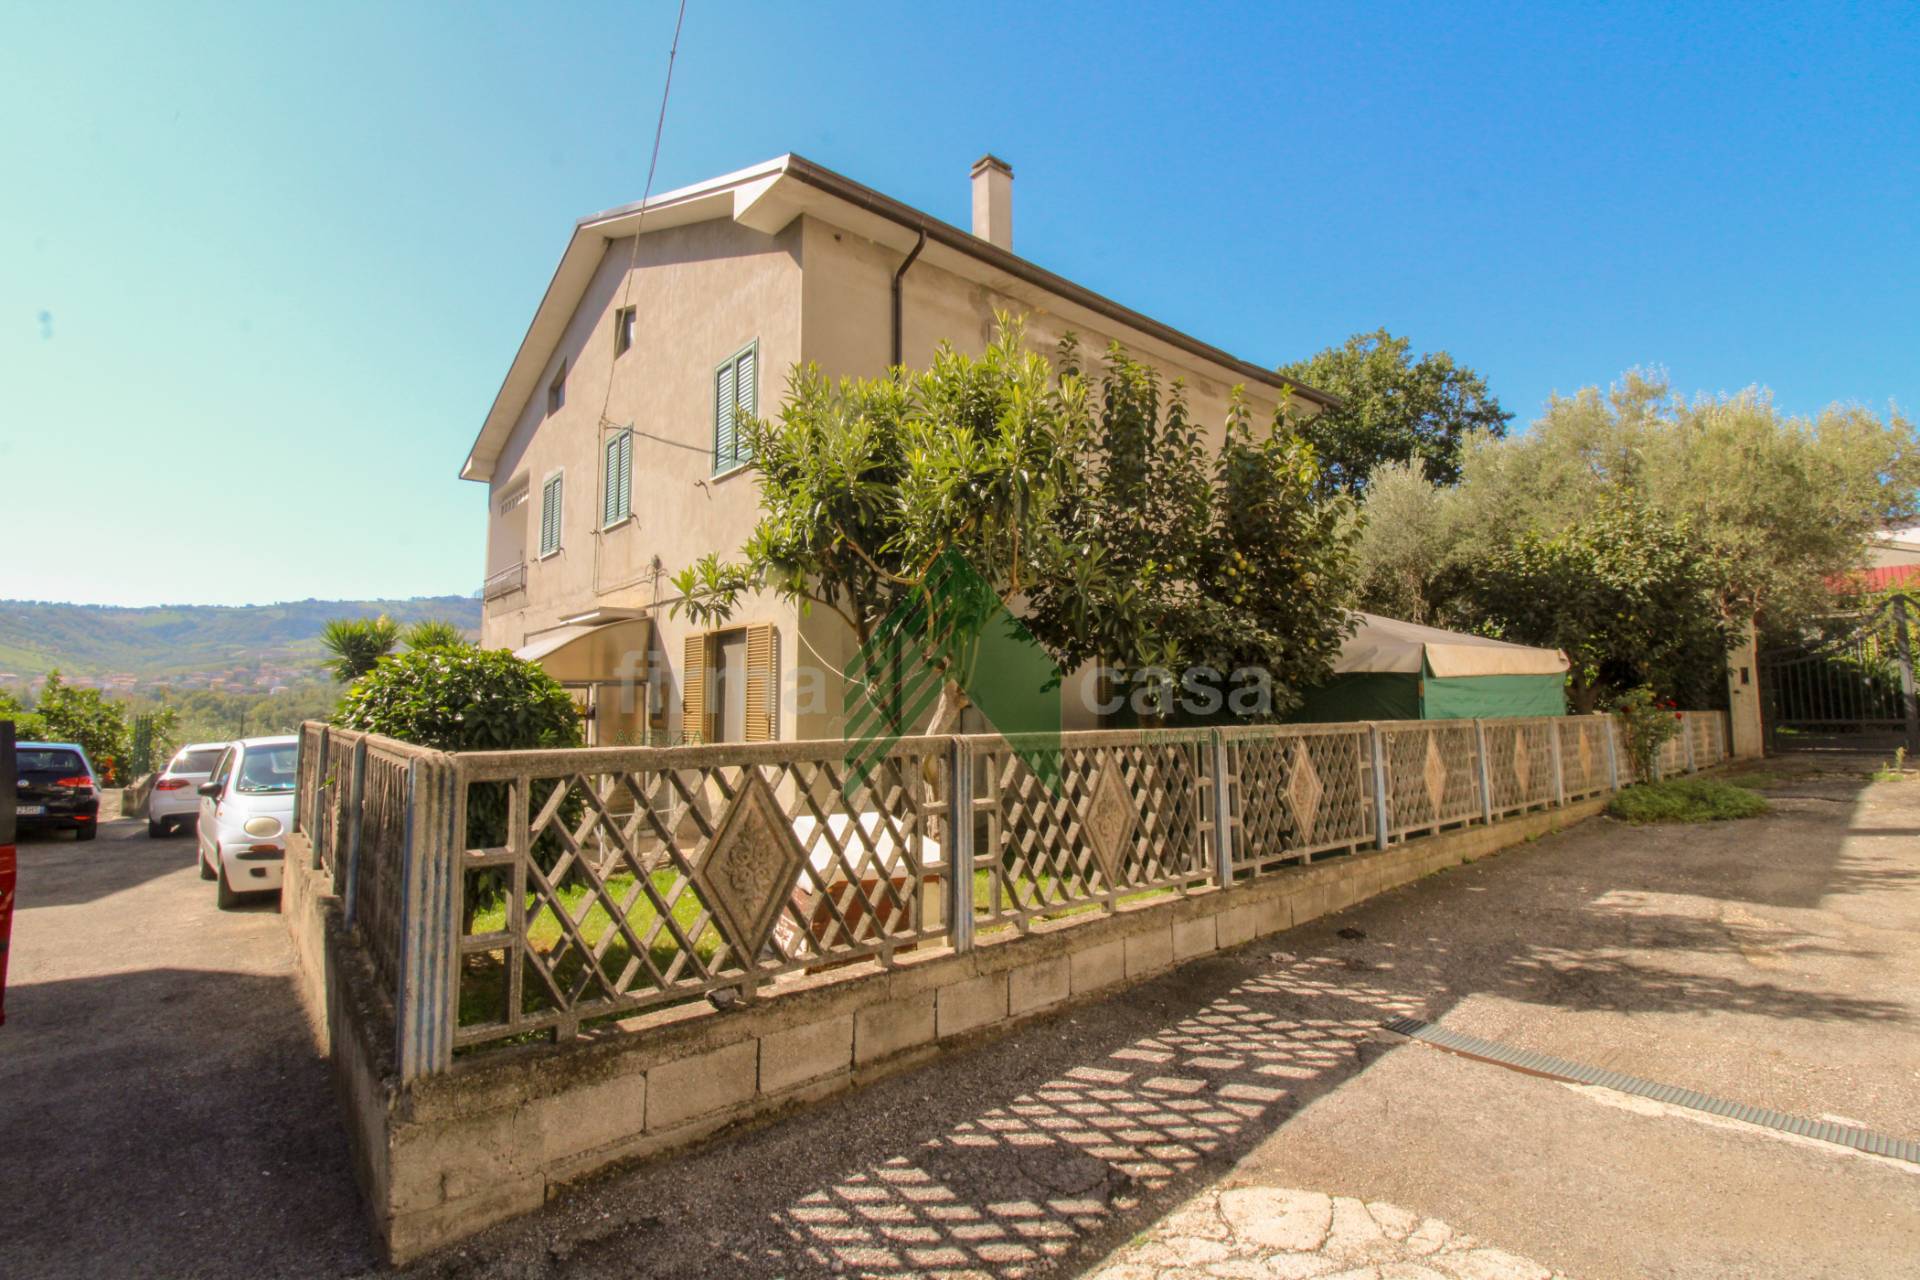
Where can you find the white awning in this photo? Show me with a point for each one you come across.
(584, 653)
(1387, 644)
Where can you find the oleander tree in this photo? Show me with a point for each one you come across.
(1098, 515)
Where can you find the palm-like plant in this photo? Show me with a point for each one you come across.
(357, 644)
(434, 633)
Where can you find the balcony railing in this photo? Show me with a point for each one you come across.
(507, 581)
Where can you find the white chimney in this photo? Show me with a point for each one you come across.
(993, 201)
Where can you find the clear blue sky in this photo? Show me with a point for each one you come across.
(261, 273)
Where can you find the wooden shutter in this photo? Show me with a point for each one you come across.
(723, 401)
(694, 717)
(763, 682)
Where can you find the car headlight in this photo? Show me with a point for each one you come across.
(262, 827)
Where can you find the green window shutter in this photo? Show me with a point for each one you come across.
(550, 516)
(723, 401)
(616, 478)
(747, 391)
(626, 474)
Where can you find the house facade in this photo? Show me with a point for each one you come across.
(610, 456)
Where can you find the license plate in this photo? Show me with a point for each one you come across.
(29, 810)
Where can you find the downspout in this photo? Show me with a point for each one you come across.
(898, 276)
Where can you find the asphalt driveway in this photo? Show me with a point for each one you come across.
(163, 1111)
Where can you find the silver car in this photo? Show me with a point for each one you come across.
(175, 800)
(246, 808)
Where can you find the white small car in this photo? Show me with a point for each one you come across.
(175, 801)
(246, 808)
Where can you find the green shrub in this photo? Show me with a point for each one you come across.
(1650, 723)
(461, 699)
(1687, 800)
(468, 699)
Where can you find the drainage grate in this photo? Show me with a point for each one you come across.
(1541, 1064)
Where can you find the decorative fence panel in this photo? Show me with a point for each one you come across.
(1433, 774)
(601, 882)
(1586, 743)
(1072, 820)
(505, 895)
(1296, 792)
(1519, 764)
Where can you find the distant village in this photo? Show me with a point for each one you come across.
(246, 677)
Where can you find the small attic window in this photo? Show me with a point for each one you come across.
(622, 330)
(557, 389)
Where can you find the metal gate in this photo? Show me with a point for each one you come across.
(1851, 688)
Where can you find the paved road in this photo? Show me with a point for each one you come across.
(162, 1108)
(1244, 1116)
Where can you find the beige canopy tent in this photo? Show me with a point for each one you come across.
(1394, 670)
(603, 659)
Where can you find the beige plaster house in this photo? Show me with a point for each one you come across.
(609, 453)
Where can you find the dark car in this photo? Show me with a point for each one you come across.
(56, 789)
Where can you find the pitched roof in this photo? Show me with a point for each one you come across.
(767, 197)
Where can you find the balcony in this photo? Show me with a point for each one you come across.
(507, 581)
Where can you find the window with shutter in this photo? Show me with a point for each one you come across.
(694, 715)
(736, 390)
(763, 683)
(550, 496)
(616, 479)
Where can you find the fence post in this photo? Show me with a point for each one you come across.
(1903, 646)
(347, 872)
(319, 830)
(300, 779)
(1222, 812)
(429, 928)
(1613, 756)
(1559, 771)
(959, 846)
(1486, 774)
(1686, 730)
(1379, 787)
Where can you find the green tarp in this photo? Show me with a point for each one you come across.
(1393, 695)
(1386, 671)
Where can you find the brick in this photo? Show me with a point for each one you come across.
(1098, 967)
(689, 1087)
(580, 1119)
(1234, 926)
(882, 1030)
(1035, 986)
(1149, 951)
(1194, 938)
(1273, 915)
(963, 1006)
(806, 1052)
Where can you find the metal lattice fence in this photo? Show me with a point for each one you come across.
(501, 896)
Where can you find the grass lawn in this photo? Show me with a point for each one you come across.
(483, 980)
(1687, 800)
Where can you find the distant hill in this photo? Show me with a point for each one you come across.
(185, 640)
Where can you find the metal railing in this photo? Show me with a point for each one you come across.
(502, 896)
(505, 581)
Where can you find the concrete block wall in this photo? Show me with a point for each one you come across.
(499, 1133)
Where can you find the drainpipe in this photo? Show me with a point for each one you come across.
(898, 276)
